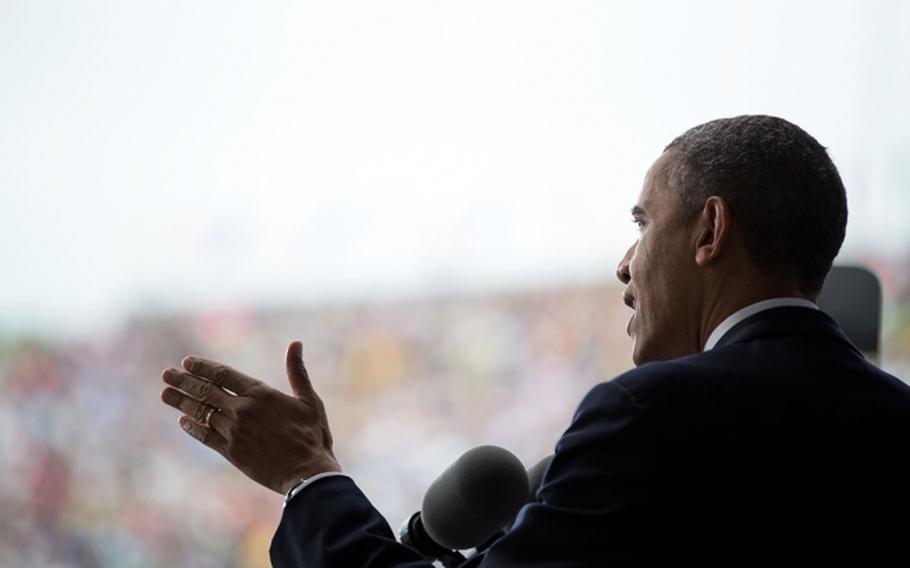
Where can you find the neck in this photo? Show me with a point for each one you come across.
(729, 300)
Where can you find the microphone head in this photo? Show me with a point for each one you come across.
(474, 497)
(535, 476)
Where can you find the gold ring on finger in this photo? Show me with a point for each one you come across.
(207, 421)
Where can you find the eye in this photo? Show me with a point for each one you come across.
(639, 221)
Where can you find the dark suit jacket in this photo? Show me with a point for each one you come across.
(781, 444)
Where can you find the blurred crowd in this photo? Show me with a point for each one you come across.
(96, 472)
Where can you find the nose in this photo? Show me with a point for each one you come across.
(622, 271)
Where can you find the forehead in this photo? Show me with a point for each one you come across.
(655, 191)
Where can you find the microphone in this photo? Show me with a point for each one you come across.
(467, 504)
(535, 479)
(535, 476)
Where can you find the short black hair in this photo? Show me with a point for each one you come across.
(780, 184)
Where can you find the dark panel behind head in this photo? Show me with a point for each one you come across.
(852, 295)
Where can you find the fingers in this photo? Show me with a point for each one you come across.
(196, 387)
(207, 436)
(298, 377)
(220, 375)
(196, 410)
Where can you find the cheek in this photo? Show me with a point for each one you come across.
(651, 286)
(640, 268)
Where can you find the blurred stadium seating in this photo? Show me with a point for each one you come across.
(97, 473)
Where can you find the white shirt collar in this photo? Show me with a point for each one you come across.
(751, 310)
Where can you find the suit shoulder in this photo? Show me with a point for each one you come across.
(628, 388)
(671, 380)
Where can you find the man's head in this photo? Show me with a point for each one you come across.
(734, 211)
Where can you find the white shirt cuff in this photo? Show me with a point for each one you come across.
(306, 482)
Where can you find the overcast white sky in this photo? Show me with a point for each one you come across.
(191, 153)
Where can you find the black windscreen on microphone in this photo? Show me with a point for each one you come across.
(535, 476)
(474, 497)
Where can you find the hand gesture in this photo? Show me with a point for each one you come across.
(273, 438)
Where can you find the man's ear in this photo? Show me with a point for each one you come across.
(712, 230)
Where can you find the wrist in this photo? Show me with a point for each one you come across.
(304, 483)
(304, 474)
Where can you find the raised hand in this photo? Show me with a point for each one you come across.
(273, 438)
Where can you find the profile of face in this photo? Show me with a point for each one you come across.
(659, 271)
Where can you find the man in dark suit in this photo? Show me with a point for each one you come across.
(751, 430)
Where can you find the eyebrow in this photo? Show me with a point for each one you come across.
(638, 212)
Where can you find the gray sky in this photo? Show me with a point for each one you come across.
(190, 154)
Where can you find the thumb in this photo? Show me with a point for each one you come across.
(297, 375)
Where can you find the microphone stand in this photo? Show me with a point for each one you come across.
(414, 535)
(489, 542)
